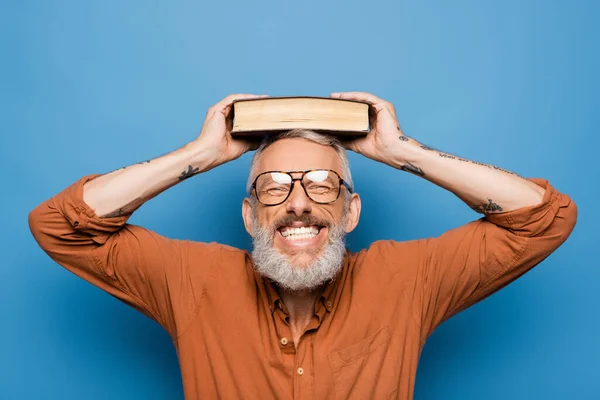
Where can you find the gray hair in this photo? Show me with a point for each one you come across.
(311, 136)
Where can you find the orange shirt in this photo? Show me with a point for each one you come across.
(230, 327)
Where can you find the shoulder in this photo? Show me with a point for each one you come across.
(390, 256)
(212, 251)
(389, 249)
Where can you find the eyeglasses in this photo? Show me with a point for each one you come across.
(323, 186)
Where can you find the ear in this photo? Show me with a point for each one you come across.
(353, 213)
(247, 216)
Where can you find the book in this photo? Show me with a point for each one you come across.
(273, 115)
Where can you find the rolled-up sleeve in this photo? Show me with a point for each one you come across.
(469, 263)
(139, 267)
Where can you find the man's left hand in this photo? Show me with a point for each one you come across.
(381, 141)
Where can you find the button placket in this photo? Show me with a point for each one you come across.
(283, 333)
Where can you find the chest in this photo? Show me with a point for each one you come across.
(357, 350)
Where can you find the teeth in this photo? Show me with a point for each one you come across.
(299, 237)
(300, 233)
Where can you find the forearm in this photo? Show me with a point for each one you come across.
(485, 188)
(122, 191)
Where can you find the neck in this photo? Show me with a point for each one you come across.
(301, 306)
(300, 302)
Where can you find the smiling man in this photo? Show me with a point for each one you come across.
(300, 317)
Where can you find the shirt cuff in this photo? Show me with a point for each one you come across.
(532, 220)
(80, 215)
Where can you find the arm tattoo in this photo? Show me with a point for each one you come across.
(489, 207)
(126, 209)
(408, 167)
(450, 156)
(117, 213)
(119, 169)
(444, 155)
(115, 170)
(189, 173)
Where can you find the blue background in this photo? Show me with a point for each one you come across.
(89, 87)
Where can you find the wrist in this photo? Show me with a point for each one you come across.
(202, 156)
(404, 150)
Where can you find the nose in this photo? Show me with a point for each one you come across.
(298, 202)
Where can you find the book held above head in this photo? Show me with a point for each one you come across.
(273, 115)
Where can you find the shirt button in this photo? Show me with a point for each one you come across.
(284, 341)
(300, 371)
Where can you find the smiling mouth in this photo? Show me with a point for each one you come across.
(300, 233)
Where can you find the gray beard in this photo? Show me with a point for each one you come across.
(272, 264)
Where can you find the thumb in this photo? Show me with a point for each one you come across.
(253, 144)
(349, 144)
(248, 144)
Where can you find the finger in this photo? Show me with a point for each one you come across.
(253, 144)
(362, 96)
(248, 143)
(227, 101)
(233, 97)
(228, 119)
(377, 103)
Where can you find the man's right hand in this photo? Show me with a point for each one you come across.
(216, 138)
(122, 191)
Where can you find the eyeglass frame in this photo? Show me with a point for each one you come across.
(303, 172)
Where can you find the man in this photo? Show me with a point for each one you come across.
(300, 317)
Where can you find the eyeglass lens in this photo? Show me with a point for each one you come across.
(322, 186)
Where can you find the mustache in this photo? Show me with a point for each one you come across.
(305, 219)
